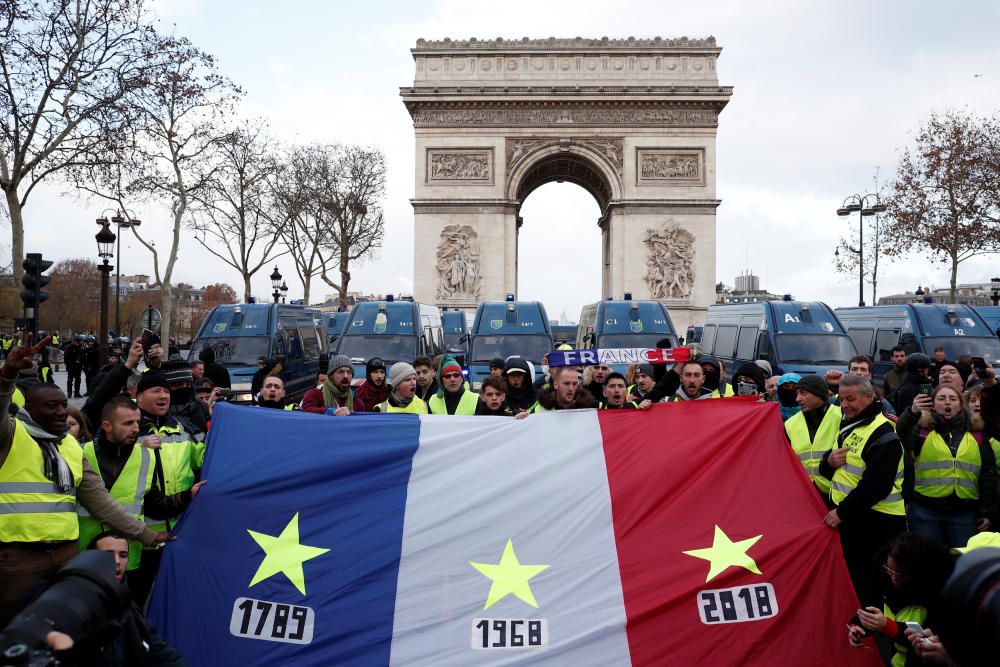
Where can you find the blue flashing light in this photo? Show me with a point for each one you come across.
(389, 298)
(510, 296)
(628, 296)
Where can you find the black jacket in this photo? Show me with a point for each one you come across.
(218, 375)
(113, 384)
(881, 464)
(665, 386)
(582, 399)
(903, 398)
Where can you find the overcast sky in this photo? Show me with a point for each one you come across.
(825, 93)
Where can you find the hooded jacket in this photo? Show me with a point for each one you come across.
(523, 397)
(369, 395)
(754, 373)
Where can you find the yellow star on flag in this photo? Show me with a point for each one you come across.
(724, 553)
(284, 554)
(509, 577)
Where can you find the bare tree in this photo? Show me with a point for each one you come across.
(65, 70)
(351, 188)
(945, 201)
(239, 220)
(179, 121)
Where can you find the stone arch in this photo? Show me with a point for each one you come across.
(632, 121)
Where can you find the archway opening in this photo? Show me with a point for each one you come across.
(559, 249)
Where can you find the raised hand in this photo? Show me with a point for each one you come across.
(22, 357)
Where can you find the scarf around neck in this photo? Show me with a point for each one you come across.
(331, 394)
(56, 468)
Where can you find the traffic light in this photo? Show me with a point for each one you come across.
(33, 281)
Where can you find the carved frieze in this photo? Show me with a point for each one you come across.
(670, 166)
(596, 116)
(612, 148)
(468, 166)
(669, 262)
(458, 264)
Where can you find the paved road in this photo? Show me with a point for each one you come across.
(62, 378)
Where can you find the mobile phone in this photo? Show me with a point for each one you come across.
(222, 391)
(979, 365)
(916, 627)
(144, 338)
(926, 389)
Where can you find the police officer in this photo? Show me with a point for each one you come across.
(452, 397)
(73, 358)
(43, 476)
(813, 431)
(866, 487)
(402, 391)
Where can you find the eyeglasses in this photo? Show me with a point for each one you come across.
(891, 572)
(451, 376)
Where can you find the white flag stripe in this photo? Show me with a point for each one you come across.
(541, 483)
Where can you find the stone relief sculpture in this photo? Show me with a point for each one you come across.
(458, 263)
(669, 262)
(459, 166)
(670, 166)
(533, 117)
(610, 148)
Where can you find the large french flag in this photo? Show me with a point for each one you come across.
(684, 535)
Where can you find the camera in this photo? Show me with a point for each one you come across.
(970, 609)
(83, 599)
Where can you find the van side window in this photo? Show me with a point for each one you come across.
(763, 346)
(862, 339)
(725, 341)
(885, 340)
(708, 339)
(744, 348)
(310, 344)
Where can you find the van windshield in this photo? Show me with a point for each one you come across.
(530, 347)
(389, 348)
(827, 349)
(974, 346)
(233, 350)
(623, 340)
(453, 342)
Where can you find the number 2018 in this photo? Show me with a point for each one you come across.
(737, 605)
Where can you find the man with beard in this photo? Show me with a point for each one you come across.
(335, 396)
(272, 394)
(520, 394)
(452, 398)
(427, 384)
(564, 393)
(598, 375)
(644, 382)
(692, 386)
(402, 392)
(373, 390)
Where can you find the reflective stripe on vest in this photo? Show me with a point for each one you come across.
(914, 613)
(129, 489)
(180, 455)
(939, 474)
(416, 407)
(466, 405)
(811, 452)
(31, 510)
(847, 476)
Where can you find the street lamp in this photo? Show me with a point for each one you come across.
(861, 204)
(127, 221)
(105, 246)
(995, 289)
(276, 284)
(284, 291)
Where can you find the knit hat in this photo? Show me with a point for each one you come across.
(815, 385)
(646, 369)
(765, 366)
(152, 379)
(789, 377)
(448, 365)
(373, 364)
(497, 363)
(917, 362)
(754, 373)
(964, 370)
(176, 371)
(400, 371)
(339, 361)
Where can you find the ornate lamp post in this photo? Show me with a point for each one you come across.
(995, 291)
(866, 205)
(276, 284)
(284, 291)
(105, 246)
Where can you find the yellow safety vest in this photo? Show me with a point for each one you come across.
(938, 474)
(847, 476)
(129, 489)
(17, 398)
(726, 393)
(31, 510)
(7, 344)
(913, 613)
(416, 407)
(466, 405)
(55, 341)
(811, 452)
(180, 456)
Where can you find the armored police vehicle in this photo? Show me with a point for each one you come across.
(335, 325)
(992, 316)
(391, 330)
(624, 324)
(505, 329)
(793, 336)
(239, 334)
(456, 335)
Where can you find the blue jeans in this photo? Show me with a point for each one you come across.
(948, 528)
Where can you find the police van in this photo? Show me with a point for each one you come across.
(507, 329)
(239, 334)
(391, 330)
(992, 316)
(793, 336)
(456, 335)
(335, 325)
(919, 327)
(624, 324)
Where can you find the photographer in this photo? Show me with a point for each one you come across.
(43, 475)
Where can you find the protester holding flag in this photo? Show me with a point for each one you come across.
(272, 394)
(616, 394)
(813, 431)
(866, 473)
(373, 390)
(565, 393)
(335, 397)
(643, 384)
(519, 389)
(492, 398)
(402, 391)
(692, 384)
(452, 397)
(750, 380)
(715, 377)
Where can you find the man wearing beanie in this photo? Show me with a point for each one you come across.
(178, 454)
(373, 390)
(452, 397)
(335, 396)
(813, 431)
(402, 391)
(644, 381)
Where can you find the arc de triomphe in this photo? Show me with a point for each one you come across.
(632, 121)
